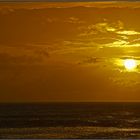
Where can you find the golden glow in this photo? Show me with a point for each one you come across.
(130, 64)
(128, 32)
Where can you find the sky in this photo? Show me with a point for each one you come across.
(69, 52)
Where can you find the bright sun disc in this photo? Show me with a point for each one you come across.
(130, 64)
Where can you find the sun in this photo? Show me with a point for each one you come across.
(130, 64)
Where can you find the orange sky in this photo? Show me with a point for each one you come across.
(69, 52)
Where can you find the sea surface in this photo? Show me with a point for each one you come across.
(70, 120)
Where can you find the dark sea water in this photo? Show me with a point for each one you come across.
(70, 120)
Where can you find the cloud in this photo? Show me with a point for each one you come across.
(128, 32)
(58, 5)
(50, 20)
(73, 20)
(22, 55)
(105, 27)
(6, 11)
(91, 60)
(117, 43)
(8, 59)
(111, 34)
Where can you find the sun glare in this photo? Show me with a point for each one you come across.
(130, 64)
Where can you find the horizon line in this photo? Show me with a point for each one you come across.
(43, 102)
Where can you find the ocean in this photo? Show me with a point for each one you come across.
(70, 120)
